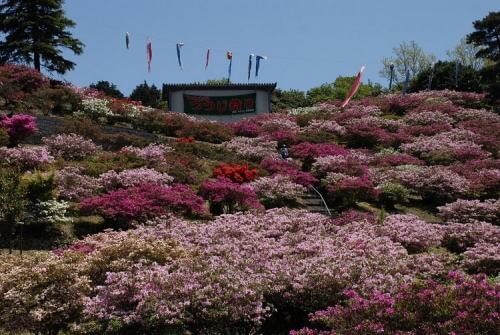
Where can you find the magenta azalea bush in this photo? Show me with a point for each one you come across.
(226, 196)
(462, 306)
(18, 126)
(142, 202)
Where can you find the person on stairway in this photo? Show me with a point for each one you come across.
(284, 151)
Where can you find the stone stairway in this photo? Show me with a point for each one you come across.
(313, 203)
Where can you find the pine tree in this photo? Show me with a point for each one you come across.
(34, 33)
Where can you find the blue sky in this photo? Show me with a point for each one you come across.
(308, 42)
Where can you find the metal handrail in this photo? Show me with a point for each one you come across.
(323, 200)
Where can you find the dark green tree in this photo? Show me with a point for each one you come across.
(148, 95)
(286, 99)
(443, 77)
(34, 33)
(108, 88)
(487, 38)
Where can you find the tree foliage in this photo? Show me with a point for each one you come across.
(148, 95)
(35, 31)
(285, 99)
(339, 89)
(465, 53)
(407, 56)
(108, 88)
(443, 77)
(487, 38)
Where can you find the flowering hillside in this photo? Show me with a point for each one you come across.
(201, 227)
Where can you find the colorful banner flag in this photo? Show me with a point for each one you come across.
(407, 81)
(127, 40)
(229, 56)
(354, 88)
(149, 52)
(257, 63)
(207, 58)
(178, 46)
(250, 65)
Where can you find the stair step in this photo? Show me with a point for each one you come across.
(316, 208)
(312, 201)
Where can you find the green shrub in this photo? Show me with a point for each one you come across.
(392, 193)
(4, 137)
(59, 101)
(39, 186)
(207, 132)
(116, 141)
(81, 126)
(105, 161)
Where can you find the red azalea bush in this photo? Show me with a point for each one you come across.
(18, 127)
(465, 305)
(235, 172)
(185, 140)
(144, 202)
(226, 196)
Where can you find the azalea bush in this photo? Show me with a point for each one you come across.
(237, 173)
(470, 211)
(152, 152)
(25, 158)
(278, 191)
(254, 149)
(414, 234)
(18, 127)
(112, 180)
(458, 237)
(461, 306)
(226, 196)
(142, 202)
(70, 146)
(72, 184)
(289, 169)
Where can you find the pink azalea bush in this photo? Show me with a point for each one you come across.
(253, 148)
(74, 185)
(112, 180)
(329, 126)
(483, 258)
(26, 157)
(152, 152)
(18, 126)
(281, 252)
(434, 183)
(470, 211)
(278, 190)
(70, 146)
(414, 234)
(141, 202)
(446, 147)
(464, 305)
(458, 237)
